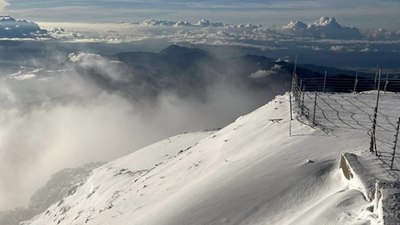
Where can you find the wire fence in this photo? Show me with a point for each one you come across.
(370, 105)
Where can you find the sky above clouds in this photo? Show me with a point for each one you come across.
(364, 14)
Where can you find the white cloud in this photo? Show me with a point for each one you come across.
(261, 73)
(3, 5)
(276, 69)
(325, 28)
(341, 48)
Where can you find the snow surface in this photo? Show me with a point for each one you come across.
(250, 172)
(354, 111)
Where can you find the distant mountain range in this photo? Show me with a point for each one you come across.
(190, 71)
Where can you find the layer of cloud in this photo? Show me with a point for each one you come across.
(318, 41)
(201, 31)
(325, 28)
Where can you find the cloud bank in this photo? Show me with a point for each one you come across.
(205, 31)
(202, 31)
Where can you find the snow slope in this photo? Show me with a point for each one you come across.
(250, 172)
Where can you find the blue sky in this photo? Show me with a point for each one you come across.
(360, 13)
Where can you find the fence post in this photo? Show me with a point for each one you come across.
(376, 75)
(300, 88)
(294, 78)
(372, 146)
(292, 88)
(302, 100)
(291, 117)
(323, 89)
(395, 143)
(315, 107)
(290, 104)
(387, 82)
(355, 83)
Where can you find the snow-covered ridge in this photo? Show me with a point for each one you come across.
(250, 172)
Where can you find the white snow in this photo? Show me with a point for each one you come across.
(250, 172)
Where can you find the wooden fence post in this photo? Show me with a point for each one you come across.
(315, 107)
(386, 82)
(395, 143)
(372, 145)
(302, 100)
(355, 83)
(290, 104)
(300, 88)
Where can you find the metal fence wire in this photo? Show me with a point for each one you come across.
(370, 105)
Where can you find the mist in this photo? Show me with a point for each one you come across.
(90, 108)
